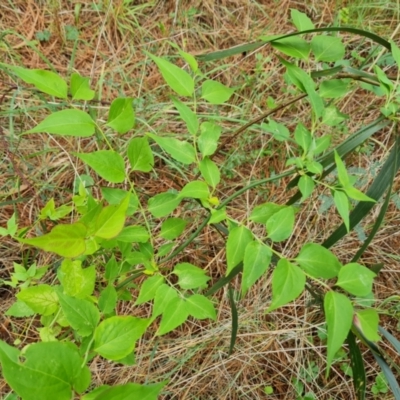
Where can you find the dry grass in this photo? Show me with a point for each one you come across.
(271, 350)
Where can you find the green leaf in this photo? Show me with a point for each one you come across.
(280, 225)
(115, 337)
(121, 116)
(215, 92)
(321, 144)
(238, 238)
(368, 322)
(279, 131)
(80, 88)
(303, 137)
(385, 83)
(115, 196)
(108, 299)
(111, 220)
(293, 47)
(64, 240)
(81, 314)
(149, 288)
(128, 391)
(208, 139)
(163, 204)
(306, 186)
(288, 282)
(140, 155)
(300, 20)
(327, 48)
(179, 150)
(133, 234)
(19, 309)
(42, 299)
(106, 163)
(177, 79)
(187, 115)
(334, 88)
(395, 52)
(67, 122)
(191, 60)
(171, 228)
(217, 216)
(339, 316)
(195, 190)
(45, 81)
(318, 261)
(342, 205)
(174, 315)
(263, 212)
(190, 276)
(356, 194)
(210, 172)
(164, 294)
(76, 281)
(51, 370)
(198, 306)
(356, 279)
(332, 116)
(257, 257)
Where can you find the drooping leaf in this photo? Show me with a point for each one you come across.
(64, 240)
(121, 116)
(179, 150)
(356, 279)
(318, 261)
(190, 276)
(339, 316)
(215, 92)
(107, 163)
(177, 79)
(171, 228)
(238, 238)
(66, 122)
(41, 298)
(257, 257)
(115, 337)
(80, 88)
(288, 282)
(140, 155)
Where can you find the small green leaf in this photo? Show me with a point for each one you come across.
(210, 172)
(327, 48)
(19, 309)
(368, 322)
(108, 299)
(293, 47)
(288, 282)
(395, 52)
(187, 115)
(356, 279)
(342, 171)
(257, 257)
(163, 204)
(208, 139)
(115, 337)
(334, 88)
(279, 131)
(195, 190)
(198, 306)
(177, 79)
(280, 225)
(81, 314)
(190, 276)
(238, 238)
(133, 234)
(339, 316)
(306, 186)
(80, 88)
(64, 240)
(67, 122)
(342, 205)
(171, 228)
(115, 196)
(179, 150)
(263, 212)
(318, 261)
(356, 194)
(164, 294)
(106, 163)
(111, 220)
(45, 81)
(149, 288)
(217, 216)
(42, 299)
(332, 116)
(320, 144)
(140, 155)
(215, 92)
(121, 116)
(303, 137)
(300, 20)
(175, 314)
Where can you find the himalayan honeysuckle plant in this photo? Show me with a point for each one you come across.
(105, 240)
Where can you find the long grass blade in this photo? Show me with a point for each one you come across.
(357, 366)
(394, 386)
(234, 320)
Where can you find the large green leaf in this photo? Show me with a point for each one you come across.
(41, 298)
(215, 92)
(238, 238)
(195, 190)
(288, 282)
(356, 279)
(64, 240)
(327, 48)
(339, 316)
(210, 172)
(293, 47)
(67, 122)
(190, 276)
(140, 155)
(51, 370)
(115, 337)
(300, 20)
(198, 306)
(281, 224)
(171, 228)
(76, 281)
(149, 288)
(174, 314)
(133, 234)
(107, 163)
(163, 204)
(177, 79)
(368, 321)
(121, 116)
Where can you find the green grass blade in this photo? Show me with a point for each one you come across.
(394, 386)
(395, 343)
(357, 366)
(234, 320)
